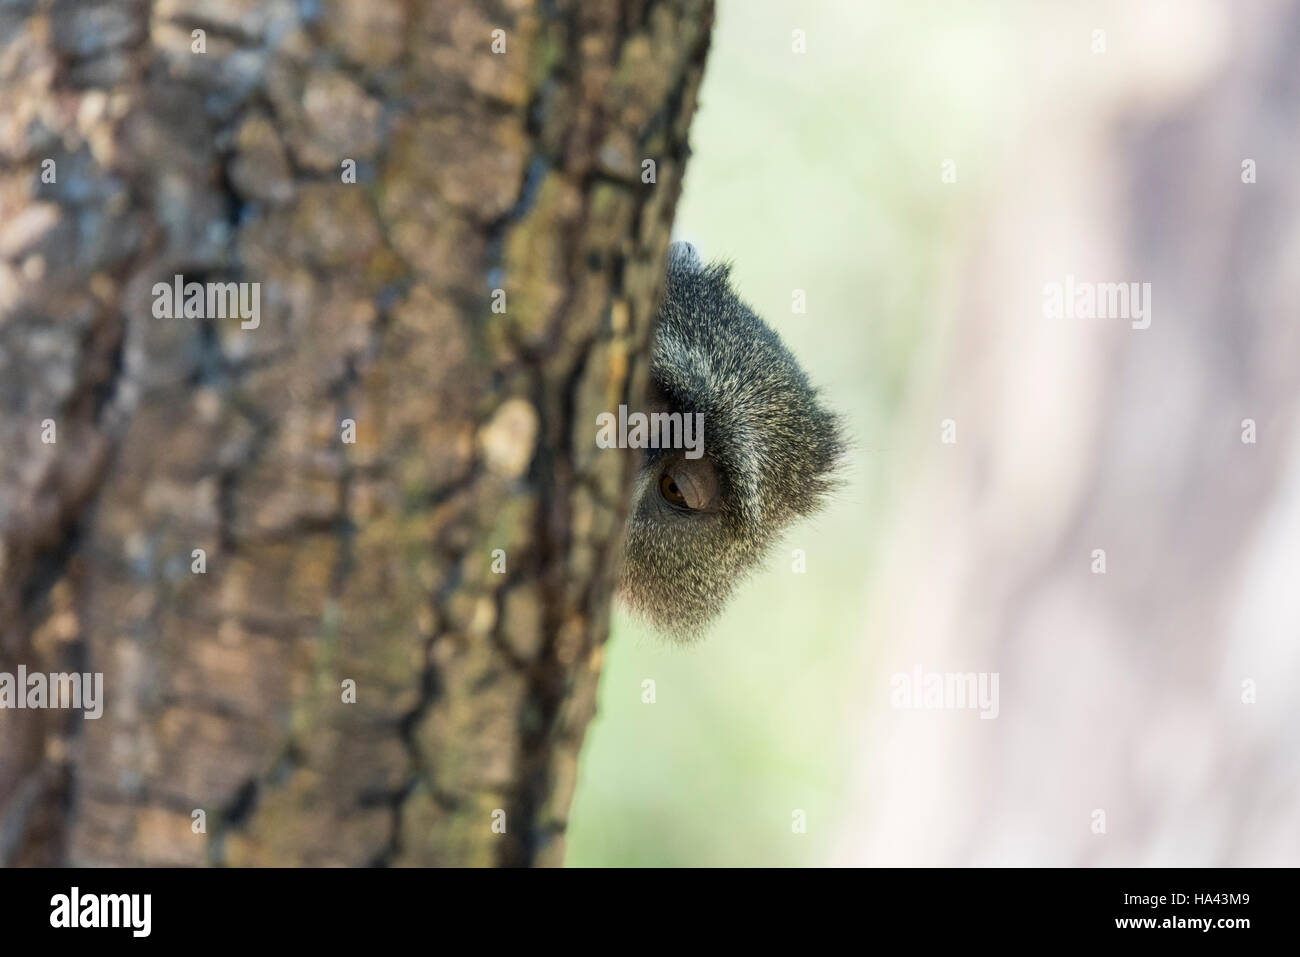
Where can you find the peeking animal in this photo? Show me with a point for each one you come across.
(699, 524)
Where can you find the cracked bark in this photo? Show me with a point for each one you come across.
(325, 560)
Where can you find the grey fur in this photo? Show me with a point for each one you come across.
(773, 445)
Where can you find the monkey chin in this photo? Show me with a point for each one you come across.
(686, 623)
(664, 584)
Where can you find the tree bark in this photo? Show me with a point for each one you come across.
(327, 560)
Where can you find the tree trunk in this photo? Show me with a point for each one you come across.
(435, 341)
(1112, 532)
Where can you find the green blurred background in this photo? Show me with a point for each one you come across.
(818, 171)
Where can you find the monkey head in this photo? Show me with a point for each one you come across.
(700, 523)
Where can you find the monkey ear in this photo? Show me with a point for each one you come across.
(684, 255)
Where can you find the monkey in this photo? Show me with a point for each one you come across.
(698, 526)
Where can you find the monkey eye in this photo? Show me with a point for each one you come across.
(690, 484)
(669, 490)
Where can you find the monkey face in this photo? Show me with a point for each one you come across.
(701, 519)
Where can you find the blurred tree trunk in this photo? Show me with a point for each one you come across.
(1113, 530)
(326, 560)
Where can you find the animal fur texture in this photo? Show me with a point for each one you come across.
(771, 448)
